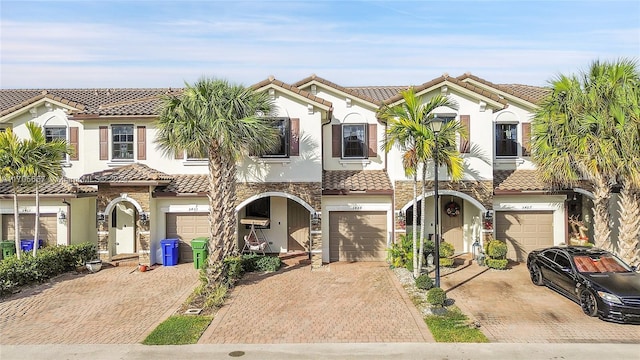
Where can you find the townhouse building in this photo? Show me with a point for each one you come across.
(329, 189)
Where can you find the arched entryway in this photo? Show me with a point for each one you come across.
(460, 218)
(123, 214)
(289, 227)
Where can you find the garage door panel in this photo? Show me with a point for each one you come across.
(186, 227)
(524, 231)
(48, 227)
(357, 236)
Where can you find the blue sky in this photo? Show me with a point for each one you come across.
(144, 43)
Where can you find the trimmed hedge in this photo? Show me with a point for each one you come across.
(424, 282)
(436, 296)
(499, 264)
(238, 265)
(49, 262)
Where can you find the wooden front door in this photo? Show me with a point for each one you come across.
(452, 231)
(298, 223)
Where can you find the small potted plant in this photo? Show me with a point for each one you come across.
(94, 265)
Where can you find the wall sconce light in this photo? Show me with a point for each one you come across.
(62, 217)
(101, 217)
(144, 217)
(315, 218)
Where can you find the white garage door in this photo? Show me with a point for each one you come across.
(357, 236)
(186, 227)
(524, 231)
(48, 228)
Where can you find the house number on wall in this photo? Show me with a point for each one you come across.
(25, 210)
(356, 207)
(526, 207)
(193, 208)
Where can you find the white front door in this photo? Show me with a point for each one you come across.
(123, 221)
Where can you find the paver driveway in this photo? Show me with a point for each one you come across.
(511, 309)
(345, 302)
(117, 305)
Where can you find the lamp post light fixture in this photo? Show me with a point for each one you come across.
(436, 124)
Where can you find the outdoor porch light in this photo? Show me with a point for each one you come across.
(62, 217)
(315, 217)
(436, 125)
(101, 217)
(144, 217)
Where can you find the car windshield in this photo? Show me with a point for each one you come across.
(600, 263)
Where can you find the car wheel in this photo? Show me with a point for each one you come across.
(588, 302)
(536, 274)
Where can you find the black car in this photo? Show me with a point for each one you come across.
(603, 284)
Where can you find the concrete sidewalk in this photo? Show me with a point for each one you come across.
(396, 351)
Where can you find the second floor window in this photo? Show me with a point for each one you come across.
(354, 141)
(506, 139)
(284, 131)
(122, 142)
(53, 133)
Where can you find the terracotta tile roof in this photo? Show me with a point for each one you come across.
(64, 186)
(345, 181)
(308, 95)
(183, 185)
(103, 102)
(350, 91)
(518, 181)
(380, 93)
(453, 80)
(135, 172)
(532, 94)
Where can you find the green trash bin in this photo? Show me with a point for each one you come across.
(200, 253)
(8, 248)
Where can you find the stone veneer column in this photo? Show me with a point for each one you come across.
(316, 245)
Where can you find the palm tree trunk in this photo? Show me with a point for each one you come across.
(218, 192)
(414, 229)
(601, 216)
(36, 231)
(16, 219)
(629, 228)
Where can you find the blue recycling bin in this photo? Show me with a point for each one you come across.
(27, 245)
(170, 251)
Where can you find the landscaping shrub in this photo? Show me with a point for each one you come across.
(497, 252)
(499, 264)
(401, 253)
(235, 267)
(49, 262)
(424, 282)
(446, 262)
(497, 249)
(446, 249)
(268, 263)
(436, 296)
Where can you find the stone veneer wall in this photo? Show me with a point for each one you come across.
(311, 193)
(106, 193)
(479, 190)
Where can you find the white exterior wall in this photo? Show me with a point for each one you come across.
(358, 112)
(354, 203)
(82, 220)
(307, 167)
(521, 115)
(553, 203)
(478, 166)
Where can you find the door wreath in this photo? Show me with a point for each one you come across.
(452, 208)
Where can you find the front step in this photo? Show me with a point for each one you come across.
(125, 260)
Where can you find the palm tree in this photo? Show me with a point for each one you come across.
(42, 164)
(579, 132)
(408, 130)
(217, 120)
(12, 153)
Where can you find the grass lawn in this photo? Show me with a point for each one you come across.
(453, 326)
(179, 330)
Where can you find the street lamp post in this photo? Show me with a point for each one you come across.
(436, 125)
